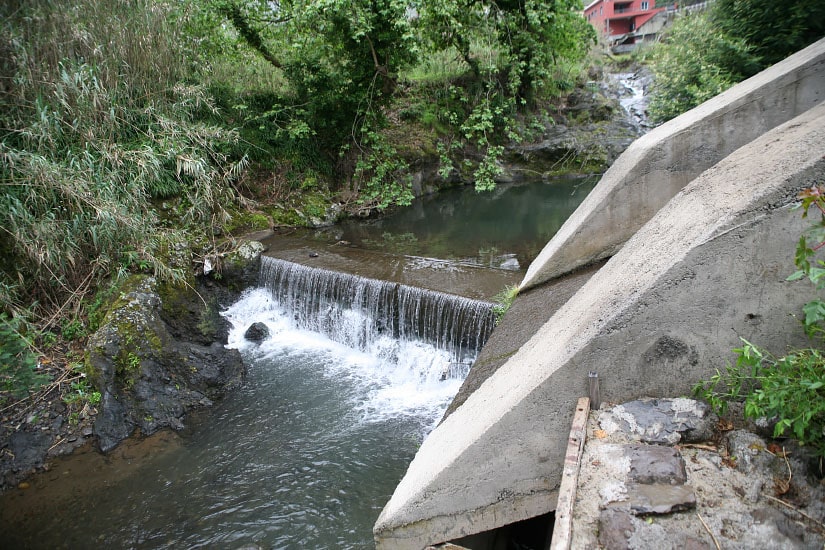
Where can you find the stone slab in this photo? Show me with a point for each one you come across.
(659, 498)
(651, 464)
(663, 421)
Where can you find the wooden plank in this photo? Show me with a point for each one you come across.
(563, 527)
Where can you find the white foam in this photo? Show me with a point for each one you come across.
(393, 378)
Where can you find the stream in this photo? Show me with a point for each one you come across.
(353, 375)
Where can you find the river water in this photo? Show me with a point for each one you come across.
(308, 451)
(506, 228)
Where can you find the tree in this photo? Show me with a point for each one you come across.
(341, 58)
(341, 61)
(528, 37)
(774, 30)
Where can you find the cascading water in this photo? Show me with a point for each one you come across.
(308, 450)
(381, 318)
(337, 399)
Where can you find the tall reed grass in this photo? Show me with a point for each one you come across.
(98, 118)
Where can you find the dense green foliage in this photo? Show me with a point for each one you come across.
(344, 65)
(773, 30)
(707, 52)
(696, 65)
(128, 126)
(790, 388)
(97, 123)
(515, 51)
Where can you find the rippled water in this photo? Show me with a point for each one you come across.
(304, 455)
(307, 452)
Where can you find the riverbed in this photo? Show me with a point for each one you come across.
(306, 453)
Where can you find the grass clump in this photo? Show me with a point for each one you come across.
(503, 300)
(18, 365)
(98, 120)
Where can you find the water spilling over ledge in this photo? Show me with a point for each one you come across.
(358, 312)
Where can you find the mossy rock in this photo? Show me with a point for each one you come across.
(247, 222)
(149, 375)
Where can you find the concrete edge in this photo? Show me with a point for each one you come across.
(657, 165)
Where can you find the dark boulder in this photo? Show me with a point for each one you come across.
(257, 332)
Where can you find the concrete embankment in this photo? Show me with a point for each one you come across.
(657, 165)
(710, 267)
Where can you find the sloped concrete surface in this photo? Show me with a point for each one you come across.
(529, 311)
(664, 312)
(657, 165)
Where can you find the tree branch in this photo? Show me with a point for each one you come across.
(250, 35)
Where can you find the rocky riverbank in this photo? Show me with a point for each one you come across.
(668, 473)
(158, 355)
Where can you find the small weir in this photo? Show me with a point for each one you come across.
(338, 397)
(360, 312)
(355, 371)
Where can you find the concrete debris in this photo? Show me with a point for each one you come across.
(741, 493)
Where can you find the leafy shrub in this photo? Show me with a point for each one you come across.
(694, 65)
(790, 388)
(705, 53)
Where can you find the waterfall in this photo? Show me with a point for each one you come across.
(361, 313)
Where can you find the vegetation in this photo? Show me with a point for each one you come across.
(471, 66)
(130, 127)
(503, 300)
(18, 365)
(707, 52)
(99, 125)
(790, 388)
(94, 131)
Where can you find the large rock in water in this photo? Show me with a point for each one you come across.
(147, 374)
(257, 332)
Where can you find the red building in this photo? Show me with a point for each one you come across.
(625, 23)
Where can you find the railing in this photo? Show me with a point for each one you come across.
(677, 6)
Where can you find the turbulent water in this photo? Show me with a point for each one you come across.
(305, 454)
(381, 318)
(353, 374)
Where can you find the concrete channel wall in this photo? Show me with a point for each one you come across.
(661, 314)
(657, 165)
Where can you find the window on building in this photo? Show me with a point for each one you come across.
(645, 5)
